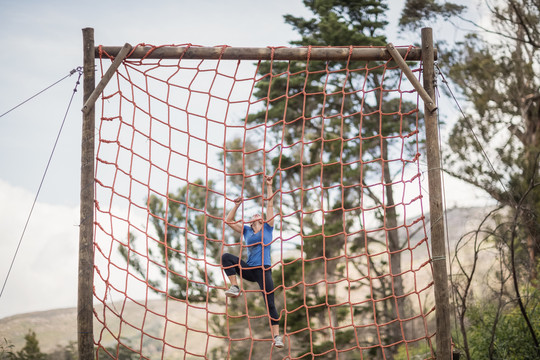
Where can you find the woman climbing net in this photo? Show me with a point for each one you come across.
(258, 267)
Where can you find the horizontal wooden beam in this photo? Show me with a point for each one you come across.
(246, 53)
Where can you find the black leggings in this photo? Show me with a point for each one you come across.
(255, 274)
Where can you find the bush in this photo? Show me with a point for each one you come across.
(512, 338)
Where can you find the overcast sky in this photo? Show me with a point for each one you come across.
(42, 42)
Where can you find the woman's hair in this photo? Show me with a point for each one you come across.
(253, 215)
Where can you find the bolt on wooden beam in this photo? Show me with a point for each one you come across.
(428, 101)
(122, 54)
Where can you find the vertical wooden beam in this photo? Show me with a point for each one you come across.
(440, 277)
(85, 307)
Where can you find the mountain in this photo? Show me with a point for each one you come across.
(53, 328)
(58, 328)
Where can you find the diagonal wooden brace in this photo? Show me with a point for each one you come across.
(430, 104)
(90, 102)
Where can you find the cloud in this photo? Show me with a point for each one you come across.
(44, 274)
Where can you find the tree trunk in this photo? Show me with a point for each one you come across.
(396, 312)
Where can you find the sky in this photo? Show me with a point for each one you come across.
(42, 43)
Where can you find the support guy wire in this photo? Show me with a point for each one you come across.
(79, 69)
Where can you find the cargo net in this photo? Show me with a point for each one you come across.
(179, 140)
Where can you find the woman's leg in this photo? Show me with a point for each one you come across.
(229, 262)
(275, 330)
(233, 266)
(265, 282)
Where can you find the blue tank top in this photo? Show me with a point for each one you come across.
(255, 249)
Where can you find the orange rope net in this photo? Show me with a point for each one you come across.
(179, 140)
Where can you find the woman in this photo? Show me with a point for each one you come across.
(257, 268)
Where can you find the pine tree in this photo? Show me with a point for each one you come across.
(317, 178)
(31, 350)
(187, 225)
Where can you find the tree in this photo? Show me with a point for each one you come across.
(121, 352)
(6, 350)
(188, 228)
(500, 81)
(315, 179)
(495, 146)
(419, 13)
(511, 338)
(31, 350)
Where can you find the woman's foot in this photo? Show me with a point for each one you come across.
(278, 341)
(233, 292)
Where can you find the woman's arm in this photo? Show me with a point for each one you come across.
(229, 220)
(269, 201)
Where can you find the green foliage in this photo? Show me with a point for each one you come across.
(6, 350)
(341, 23)
(188, 227)
(30, 351)
(414, 351)
(511, 337)
(420, 13)
(121, 352)
(500, 80)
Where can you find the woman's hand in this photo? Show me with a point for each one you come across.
(269, 203)
(235, 225)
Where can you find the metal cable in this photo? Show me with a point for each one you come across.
(79, 69)
(47, 88)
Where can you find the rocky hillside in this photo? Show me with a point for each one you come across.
(58, 328)
(53, 328)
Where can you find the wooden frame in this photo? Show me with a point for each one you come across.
(426, 53)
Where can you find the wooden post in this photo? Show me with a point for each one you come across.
(440, 277)
(85, 315)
